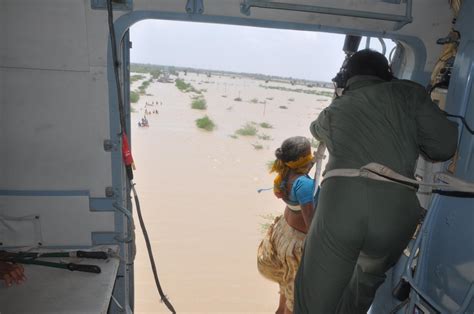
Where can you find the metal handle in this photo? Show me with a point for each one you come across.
(84, 268)
(95, 255)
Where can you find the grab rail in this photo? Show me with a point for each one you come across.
(401, 20)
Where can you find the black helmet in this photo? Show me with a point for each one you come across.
(368, 62)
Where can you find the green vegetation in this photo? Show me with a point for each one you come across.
(233, 136)
(266, 125)
(247, 130)
(142, 68)
(132, 109)
(283, 107)
(136, 77)
(182, 85)
(254, 100)
(155, 70)
(199, 103)
(257, 146)
(155, 73)
(265, 137)
(291, 99)
(185, 87)
(238, 99)
(134, 97)
(299, 90)
(142, 88)
(205, 123)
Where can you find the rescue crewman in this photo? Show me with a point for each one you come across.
(361, 226)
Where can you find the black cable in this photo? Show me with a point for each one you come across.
(462, 119)
(464, 122)
(116, 64)
(164, 298)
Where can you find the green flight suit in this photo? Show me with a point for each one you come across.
(361, 226)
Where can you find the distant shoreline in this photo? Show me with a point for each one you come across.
(144, 68)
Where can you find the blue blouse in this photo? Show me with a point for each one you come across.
(302, 191)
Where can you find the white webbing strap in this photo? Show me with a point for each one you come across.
(380, 172)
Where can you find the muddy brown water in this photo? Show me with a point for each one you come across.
(198, 192)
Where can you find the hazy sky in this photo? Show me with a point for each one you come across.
(297, 54)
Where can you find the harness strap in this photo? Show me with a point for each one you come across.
(379, 172)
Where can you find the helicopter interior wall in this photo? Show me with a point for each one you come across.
(58, 99)
(448, 274)
(55, 118)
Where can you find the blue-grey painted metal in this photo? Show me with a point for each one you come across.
(121, 292)
(101, 204)
(367, 42)
(131, 249)
(401, 20)
(460, 98)
(382, 43)
(123, 289)
(103, 238)
(123, 5)
(195, 7)
(445, 269)
(128, 214)
(419, 247)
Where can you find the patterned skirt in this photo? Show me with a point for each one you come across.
(279, 256)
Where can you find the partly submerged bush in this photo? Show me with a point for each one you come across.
(182, 85)
(136, 77)
(134, 97)
(247, 130)
(265, 137)
(266, 125)
(199, 103)
(205, 123)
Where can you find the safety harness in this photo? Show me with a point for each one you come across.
(446, 182)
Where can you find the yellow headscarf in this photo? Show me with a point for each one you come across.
(282, 168)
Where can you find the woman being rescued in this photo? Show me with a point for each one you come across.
(279, 253)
